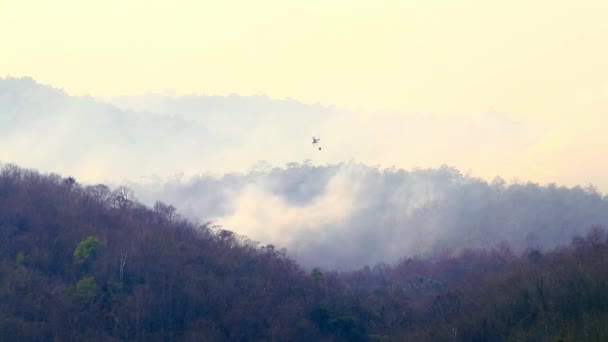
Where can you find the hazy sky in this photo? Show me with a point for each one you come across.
(530, 60)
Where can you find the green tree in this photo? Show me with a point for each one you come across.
(86, 288)
(86, 249)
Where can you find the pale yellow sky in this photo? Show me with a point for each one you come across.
(530, 59)
(538, 58)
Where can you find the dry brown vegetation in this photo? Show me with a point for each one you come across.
(91, 263)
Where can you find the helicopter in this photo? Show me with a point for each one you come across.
(315, 141)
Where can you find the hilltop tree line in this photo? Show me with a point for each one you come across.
(86, 262)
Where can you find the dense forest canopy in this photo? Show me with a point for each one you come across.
(87, 262)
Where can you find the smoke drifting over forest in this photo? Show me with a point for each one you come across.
(350, 215)
(325, 211)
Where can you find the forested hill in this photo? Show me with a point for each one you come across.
(91, 263)
(87, 263)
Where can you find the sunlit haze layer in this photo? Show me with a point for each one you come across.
(249, 165)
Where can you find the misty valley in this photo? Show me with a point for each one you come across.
(213, 218)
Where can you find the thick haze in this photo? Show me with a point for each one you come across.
(350, 215)
(45, 128)
(247, 163)
(129, 137)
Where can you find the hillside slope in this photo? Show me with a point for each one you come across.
(82, 263)
(90, 263)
